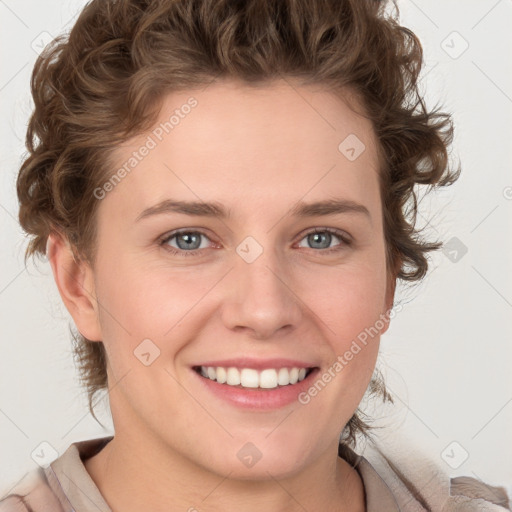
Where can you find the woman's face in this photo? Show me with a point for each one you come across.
(247, 284)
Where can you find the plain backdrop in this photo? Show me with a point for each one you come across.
(447, 355)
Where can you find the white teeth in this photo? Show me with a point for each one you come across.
(250, 378)
(283, 377)
(221, 375)
(233, 377)
(268, 379)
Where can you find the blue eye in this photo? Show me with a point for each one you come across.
(321, 238)
(189, 243)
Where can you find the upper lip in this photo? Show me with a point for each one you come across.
(258, 364)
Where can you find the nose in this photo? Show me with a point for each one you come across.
(260, 299)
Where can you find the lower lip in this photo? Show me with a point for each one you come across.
(258, 398)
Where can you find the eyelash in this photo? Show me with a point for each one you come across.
(346, 241)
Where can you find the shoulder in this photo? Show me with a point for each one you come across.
(53, 488)
(33, 494)
(410, 474)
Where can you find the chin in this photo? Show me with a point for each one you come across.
(260, 457)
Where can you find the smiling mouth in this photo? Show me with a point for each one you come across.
(249, 378)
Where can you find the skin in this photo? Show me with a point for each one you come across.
(257, 151)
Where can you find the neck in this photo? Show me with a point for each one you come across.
(133, 476)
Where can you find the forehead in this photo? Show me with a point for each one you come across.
(278, 141)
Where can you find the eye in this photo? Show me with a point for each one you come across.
(321, 238)
(188, 243)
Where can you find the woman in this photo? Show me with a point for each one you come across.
(221, 190)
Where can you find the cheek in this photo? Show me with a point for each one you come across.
(348, 311)
(145, 299)
(348, 299)
(348, 304)
(141, 301)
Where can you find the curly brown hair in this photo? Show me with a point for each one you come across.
(104, 82)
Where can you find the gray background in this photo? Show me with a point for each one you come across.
(447, 355)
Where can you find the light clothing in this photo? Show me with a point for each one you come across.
(408, 484)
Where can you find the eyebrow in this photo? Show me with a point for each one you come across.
(216, 209)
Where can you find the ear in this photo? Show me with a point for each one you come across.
(75, 282)
(388, 301)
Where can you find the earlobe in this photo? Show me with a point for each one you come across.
(75, 281)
